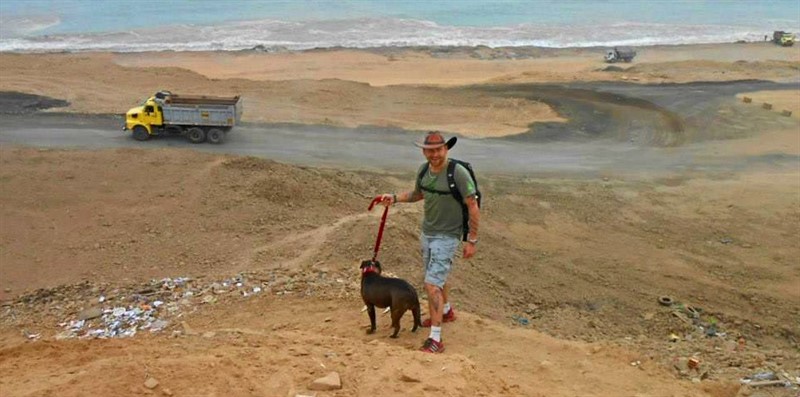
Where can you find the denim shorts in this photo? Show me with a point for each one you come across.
(437, 256)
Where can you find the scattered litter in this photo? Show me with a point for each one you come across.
(117, 311)
(682, 317)
(692, 311)
(520, 320)
(149, 307)
(209, 299)
(760, 376)
(158, 325)
(761, 383)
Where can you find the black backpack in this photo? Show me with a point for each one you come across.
(451, 182)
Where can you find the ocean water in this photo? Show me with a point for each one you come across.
(194, 25)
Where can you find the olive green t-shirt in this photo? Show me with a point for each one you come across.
(442, 211)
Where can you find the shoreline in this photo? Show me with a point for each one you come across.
(523, 49)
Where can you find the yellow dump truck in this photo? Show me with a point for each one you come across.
(199, 118)
(784, 39)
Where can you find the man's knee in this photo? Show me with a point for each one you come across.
(432, 289)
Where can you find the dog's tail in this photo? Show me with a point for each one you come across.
(417, 316)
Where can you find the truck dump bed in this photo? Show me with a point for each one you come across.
(201, 110)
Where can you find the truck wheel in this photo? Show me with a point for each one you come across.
(196, 135)
(140, 133)
(215, 135)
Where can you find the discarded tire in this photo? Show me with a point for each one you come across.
(665, 301)
(786, 113)
(747, 99)
(767, 106)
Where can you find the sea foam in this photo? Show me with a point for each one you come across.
(378, 32)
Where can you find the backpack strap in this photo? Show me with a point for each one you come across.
(451, 183)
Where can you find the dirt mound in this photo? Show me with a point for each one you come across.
(105, 217)
(20, 103)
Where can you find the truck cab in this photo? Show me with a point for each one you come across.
(784, 39)
(620, 54)
(149, 115)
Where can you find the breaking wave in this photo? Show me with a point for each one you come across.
(371, 32)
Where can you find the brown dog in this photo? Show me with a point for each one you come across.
(382, 292)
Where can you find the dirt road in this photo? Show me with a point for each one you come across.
(612, 127)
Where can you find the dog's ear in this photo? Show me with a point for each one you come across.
(378, 265)
(365, 264)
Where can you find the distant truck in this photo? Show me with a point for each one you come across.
(620, 54)
(200, 118)
(784, 39)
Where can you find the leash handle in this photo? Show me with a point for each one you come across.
(377, 200)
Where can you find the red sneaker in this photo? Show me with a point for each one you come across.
(432, 346)
(449, 317)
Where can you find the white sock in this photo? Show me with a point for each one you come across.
(436, 333)
(446, 308)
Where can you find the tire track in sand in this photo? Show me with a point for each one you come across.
(299, 248)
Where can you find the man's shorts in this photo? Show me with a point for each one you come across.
(438, 252)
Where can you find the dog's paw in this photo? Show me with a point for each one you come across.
(393, 336)
(370, 331)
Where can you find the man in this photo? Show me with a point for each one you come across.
(442, 228)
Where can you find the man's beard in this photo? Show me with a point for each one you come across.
(436, 162)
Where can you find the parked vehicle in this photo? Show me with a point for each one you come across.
(784, 39)
(200, 118)
(620, 54)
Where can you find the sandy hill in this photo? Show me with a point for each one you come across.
(560, 301)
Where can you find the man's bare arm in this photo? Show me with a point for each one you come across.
(474, 217)
(409, 197)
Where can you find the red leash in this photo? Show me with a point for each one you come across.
(377, 200)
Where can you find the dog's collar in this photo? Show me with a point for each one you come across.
(369, 269)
